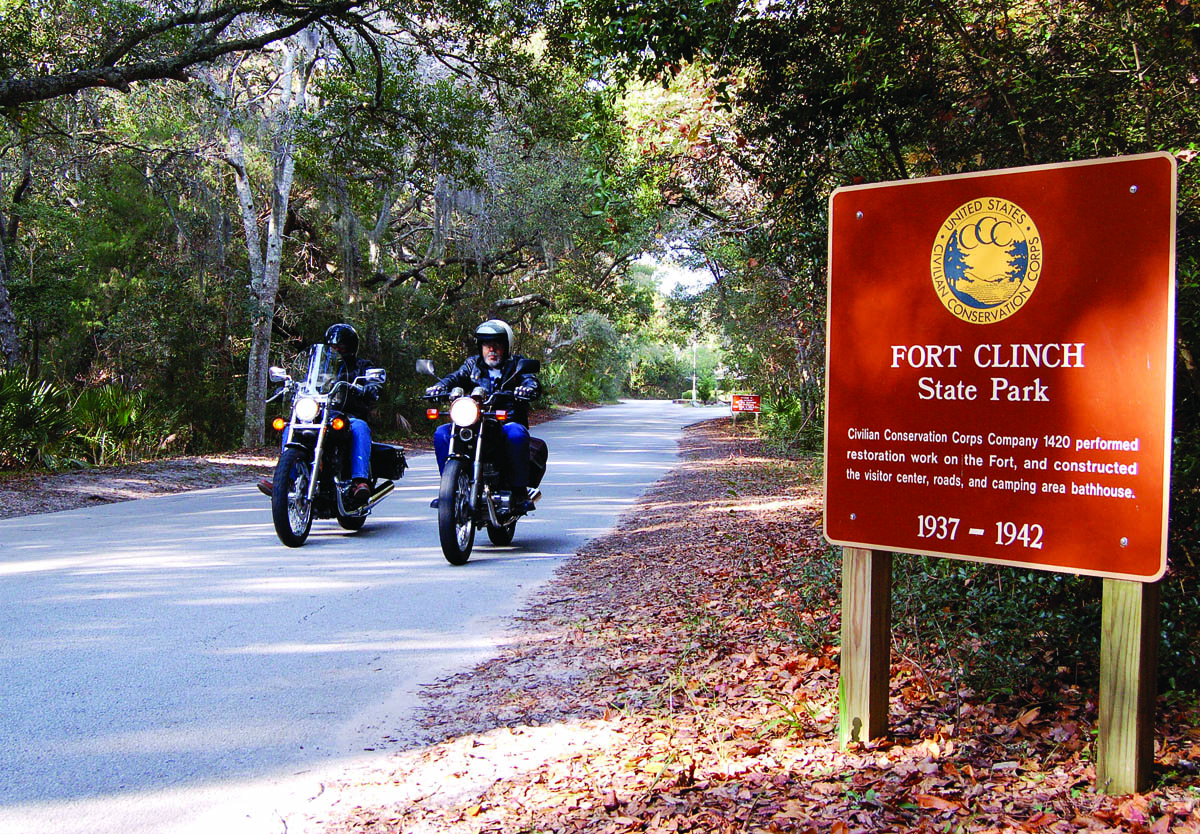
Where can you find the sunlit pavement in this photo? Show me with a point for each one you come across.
(167, 665)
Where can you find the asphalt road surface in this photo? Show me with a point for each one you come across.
(163, 660)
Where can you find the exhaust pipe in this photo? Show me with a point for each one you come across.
(491, 508)
(382, 491)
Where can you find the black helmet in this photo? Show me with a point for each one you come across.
(343, 338)
(494, 330)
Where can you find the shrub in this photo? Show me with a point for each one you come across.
(794, 421)
(35, 423)
(119, 426)
(997, 627)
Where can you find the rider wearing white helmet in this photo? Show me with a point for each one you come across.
(494, 363)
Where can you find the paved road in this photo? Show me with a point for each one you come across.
(158, 657)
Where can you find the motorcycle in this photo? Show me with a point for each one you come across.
(312, 476)
(475, 491)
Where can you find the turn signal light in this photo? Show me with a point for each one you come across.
(337, 423)
(279, 424)
(432, 413)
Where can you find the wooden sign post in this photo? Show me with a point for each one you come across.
(866, 644)
(998, 388)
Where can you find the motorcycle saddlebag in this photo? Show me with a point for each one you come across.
(387, 461)
(538, 452)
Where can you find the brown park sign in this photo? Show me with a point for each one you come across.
(999, 366)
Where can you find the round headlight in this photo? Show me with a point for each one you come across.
(464, 411)
(307, 409)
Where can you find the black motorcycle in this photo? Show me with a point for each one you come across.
(312, 476)
(475, 491)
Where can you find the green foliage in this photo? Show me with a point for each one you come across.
(117, 426)
(591, 367)
(999, 628)
(657, 372)
(36, 425)
(794, 421)
(45, 426)
(811, 585)
(834, 92)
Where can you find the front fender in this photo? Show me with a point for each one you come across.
(303, 447)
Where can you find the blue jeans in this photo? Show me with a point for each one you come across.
(360, 449)
(516, 438)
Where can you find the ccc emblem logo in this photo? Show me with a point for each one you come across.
(986, 260)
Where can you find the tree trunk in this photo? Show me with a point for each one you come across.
(10, 341)
(10, 345)
(260, 343)
(266, 258)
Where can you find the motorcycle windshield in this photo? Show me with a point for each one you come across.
(321, 364)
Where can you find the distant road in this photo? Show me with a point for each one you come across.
(166, 663)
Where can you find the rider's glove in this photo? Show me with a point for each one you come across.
(438, 390)
(523, 392)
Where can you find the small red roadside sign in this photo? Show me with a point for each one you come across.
(746, 403)
(999, 366)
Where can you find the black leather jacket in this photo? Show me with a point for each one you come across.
(476, 372)
(359, 405)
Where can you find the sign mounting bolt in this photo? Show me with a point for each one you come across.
(859, 215)
(1133, 189)
(1124, 541)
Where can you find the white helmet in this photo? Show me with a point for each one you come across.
(494, 330)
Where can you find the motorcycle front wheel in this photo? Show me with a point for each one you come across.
(291, 510)
(456, 526)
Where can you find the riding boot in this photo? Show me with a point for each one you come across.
(357, 496)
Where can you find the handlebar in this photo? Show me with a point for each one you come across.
(489, 398)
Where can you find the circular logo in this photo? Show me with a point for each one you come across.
(986, 260)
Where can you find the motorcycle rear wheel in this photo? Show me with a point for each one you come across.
(456, 524)
(291, 510)
(503, 534)
(352, 523)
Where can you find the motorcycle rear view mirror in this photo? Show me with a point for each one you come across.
(276, 374)
(376, 375)
(525, 366)
(425, 366)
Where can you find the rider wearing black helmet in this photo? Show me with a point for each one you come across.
(493, 363)
(344, 340)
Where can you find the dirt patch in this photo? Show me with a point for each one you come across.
(30, 494)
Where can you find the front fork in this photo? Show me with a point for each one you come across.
(318, 447)
(476, 464)
(478, 482)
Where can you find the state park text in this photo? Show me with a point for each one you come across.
(985, 357)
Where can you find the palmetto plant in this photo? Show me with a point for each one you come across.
(119, 426)
(35, 423)
(43, 425)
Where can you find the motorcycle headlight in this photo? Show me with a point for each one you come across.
(307, 409)
(464, 411)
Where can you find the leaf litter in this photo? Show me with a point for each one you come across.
(681, 674)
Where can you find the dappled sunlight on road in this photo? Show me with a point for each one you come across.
(164, 654)
(410, 641)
